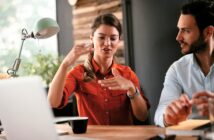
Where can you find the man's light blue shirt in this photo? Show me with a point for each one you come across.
(183, 76)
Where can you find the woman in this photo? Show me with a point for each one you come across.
(106, 92)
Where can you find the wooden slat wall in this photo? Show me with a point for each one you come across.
(85, 11)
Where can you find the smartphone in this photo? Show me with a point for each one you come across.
(163, 137)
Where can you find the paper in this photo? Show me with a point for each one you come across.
(62, 119)
(188, 124)
(185, 128)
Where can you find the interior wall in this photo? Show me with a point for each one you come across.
(64, 18)
(153, 29)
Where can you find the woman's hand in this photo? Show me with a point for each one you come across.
(76, 52)
(117, 82)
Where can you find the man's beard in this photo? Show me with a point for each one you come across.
(198, 46)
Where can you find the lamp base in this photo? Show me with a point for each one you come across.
(4, 76)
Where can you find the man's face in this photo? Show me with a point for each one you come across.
(189, 37)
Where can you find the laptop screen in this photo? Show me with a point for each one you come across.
(25, 113)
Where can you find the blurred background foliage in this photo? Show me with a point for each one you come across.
(43, 65)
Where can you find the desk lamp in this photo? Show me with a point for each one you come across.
(44, 28)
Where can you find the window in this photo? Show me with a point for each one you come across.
(19, 14)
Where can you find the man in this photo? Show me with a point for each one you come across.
(189, 82)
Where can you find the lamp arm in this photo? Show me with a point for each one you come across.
(12, 71)
(20, 50)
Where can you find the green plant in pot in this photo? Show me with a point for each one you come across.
(44, 65)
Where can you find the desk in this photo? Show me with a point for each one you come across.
(119, 132)
(99, 132)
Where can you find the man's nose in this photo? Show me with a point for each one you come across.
(179, 36)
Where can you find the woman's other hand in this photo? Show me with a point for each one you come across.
(76, 52)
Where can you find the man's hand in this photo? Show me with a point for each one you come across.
(177, 111)
(200, 100)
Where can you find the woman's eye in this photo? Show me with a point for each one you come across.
(101, 37)
(113, 39)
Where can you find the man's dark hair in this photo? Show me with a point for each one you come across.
(202, 10)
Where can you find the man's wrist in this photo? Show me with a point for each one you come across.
(136, 93)
(164, 121)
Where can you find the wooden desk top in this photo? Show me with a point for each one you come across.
(118, 132)
(102, 132)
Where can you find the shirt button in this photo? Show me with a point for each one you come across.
(106, 100)
(107, 112)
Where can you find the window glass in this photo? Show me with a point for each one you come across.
(16, 15)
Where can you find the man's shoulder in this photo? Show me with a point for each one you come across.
(184, 60)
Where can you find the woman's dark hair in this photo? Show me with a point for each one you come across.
(107, 19)
(202, 10)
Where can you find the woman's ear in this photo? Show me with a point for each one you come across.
(121, 37)
(91, 38)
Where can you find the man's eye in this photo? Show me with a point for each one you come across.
(186, 30)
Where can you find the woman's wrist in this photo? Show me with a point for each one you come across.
(67, 63)
(132, 90)
(132, 93)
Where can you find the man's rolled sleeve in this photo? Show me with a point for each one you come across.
(171, 91)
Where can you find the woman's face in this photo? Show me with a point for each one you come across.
(105, 39)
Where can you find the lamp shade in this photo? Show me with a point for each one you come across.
(45, 27)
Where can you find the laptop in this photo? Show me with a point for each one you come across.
(25, 113)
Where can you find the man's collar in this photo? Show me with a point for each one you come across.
(194, 61)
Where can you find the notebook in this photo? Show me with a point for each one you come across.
(188, 128)
(205, 127)
(25, 113)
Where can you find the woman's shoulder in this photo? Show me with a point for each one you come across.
(77, 70)
(126, 72)
(123, 68)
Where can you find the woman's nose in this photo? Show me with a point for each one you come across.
(107, 41)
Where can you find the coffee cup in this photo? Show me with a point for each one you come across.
(79, 124)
